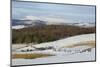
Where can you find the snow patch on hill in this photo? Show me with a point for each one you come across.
(18, 27)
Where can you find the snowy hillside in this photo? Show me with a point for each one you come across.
(69, 41)
(72, 49)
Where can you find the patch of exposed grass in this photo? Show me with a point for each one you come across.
(87, 43)
(29, 56)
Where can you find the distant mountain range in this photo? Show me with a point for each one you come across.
(17, 24)
(27, 22)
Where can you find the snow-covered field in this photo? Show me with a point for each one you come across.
(72, 49)
(85, 56)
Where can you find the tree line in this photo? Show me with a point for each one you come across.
(39, 34)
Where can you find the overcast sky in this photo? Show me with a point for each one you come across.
(53, 12)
